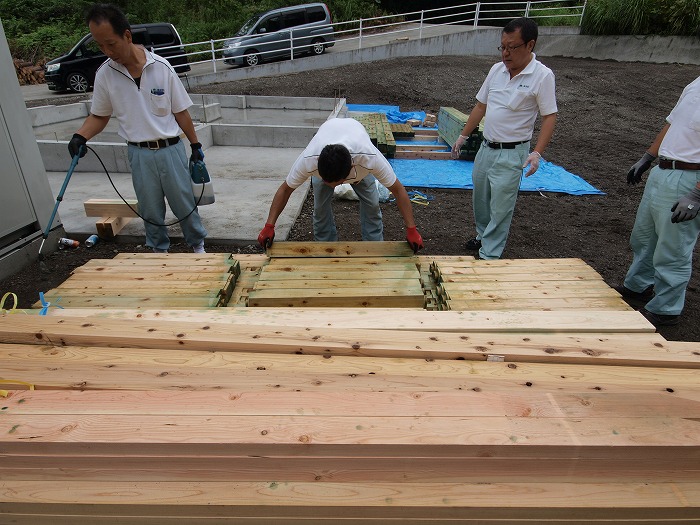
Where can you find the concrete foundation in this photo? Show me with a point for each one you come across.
(250, 143)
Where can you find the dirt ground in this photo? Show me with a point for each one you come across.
(609, 113)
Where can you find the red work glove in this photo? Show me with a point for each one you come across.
(415, 241)
(267, 235)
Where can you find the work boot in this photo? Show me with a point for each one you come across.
(660, 319)
(635, 299)
(473, 245)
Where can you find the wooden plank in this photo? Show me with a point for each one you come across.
(90, 275)
(313, 274)
(337, 283)
(149, 269)
(372, 435)
(598, 404)
(340, 249)
(631, 351)
(86, 368)
(592, 321)
(147, 286)
(499, 277)
(582, 303)
(463, 286)
(429, 501)
(378, 262)
(290, 266)
(342, 469)
(109, 227)
(427, 155)
(465, 294)
(110, 208)
(368, 300)
(137, 301)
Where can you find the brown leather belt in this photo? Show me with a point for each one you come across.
(668, 164)
(156, 144)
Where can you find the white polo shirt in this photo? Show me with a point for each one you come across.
(682, 140)
(366, 158)
(512, 104)
(145, 112)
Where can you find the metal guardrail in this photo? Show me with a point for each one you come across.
(363, 29)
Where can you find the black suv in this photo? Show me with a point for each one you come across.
(76, 70)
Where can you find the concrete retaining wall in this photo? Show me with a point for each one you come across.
(211, 130)
(553, 41)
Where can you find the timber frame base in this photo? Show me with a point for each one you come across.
(517, 392)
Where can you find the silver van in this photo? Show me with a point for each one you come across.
(300, 29)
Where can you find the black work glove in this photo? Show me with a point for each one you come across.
(197, 153)
(634, 175)
(686, 209)
(77, 145)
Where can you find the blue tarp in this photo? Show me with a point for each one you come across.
(420, 173)
(393, 114)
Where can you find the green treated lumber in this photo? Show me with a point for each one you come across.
(340, 249)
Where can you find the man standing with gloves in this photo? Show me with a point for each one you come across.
(341, 151)
(666, 227)
(514, 92)
(150, 103)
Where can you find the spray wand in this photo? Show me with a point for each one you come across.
(59, 198)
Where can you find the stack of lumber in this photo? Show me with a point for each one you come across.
(379, 131)
(151, 280)
(28, 73)
(356, 274)
(347, 415)
(522, 284)
(450, 125)
(425, 144)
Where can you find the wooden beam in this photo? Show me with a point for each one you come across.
(109, 227)
(340, 249)
(526, 321)
(86, 368)
(626, 350)
(110, 208)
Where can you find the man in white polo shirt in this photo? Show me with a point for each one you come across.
(667, 225)
(341, 151)
(514, 92)
(150, 103)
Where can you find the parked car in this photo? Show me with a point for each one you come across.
(305, 29)
(76, 70)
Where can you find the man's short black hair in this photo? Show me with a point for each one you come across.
(334, 163)
(527, 26)
(100, 13)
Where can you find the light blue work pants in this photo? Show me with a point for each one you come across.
(496, 176)
(370, 212)
(164, 174)
(663, 251)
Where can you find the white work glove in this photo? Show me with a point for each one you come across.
(686, 209)
(461, 141)
(533, 159)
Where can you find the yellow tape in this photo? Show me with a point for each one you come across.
(5, 393)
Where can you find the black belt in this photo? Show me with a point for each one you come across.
(156, 144)
(668, 164)
(504, 145)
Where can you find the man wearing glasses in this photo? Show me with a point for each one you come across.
(514, 92)
(341, 151)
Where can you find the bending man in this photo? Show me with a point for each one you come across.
(341, 151)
